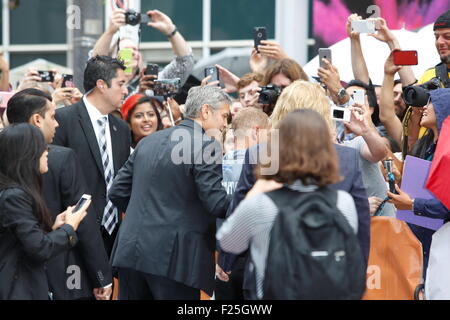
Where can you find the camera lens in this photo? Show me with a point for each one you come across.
(260, 35)
(416, 96)
(132, 17)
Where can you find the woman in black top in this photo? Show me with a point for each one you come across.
(27, 236)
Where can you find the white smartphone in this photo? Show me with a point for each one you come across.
(341, 114)
(359, 96)
(81, 202)
(324, 53)
(364, 26)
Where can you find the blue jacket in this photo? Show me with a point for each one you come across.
(433, 208)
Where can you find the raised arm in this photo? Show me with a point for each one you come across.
(385, 35)
(103, 44)
(359, 66)
(361, 124)
(164, 24)
(387, 107)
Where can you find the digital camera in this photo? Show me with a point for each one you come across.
(418, 96)
(269, 94)
(133, 18)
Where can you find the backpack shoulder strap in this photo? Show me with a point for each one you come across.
(287, 198)
(442, 74)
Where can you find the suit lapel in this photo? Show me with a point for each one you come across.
(115, 141)
(89, 133)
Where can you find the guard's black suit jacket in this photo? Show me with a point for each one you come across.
(171, 206)
(75, 131)
(74, 273)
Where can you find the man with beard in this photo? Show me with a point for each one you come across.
(442, 35)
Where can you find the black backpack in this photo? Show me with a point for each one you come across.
(313, 253)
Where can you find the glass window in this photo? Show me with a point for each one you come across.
(186, 15)
(235, 19)
(38, 21)
(18, 59)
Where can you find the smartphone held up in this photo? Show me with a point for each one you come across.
(213, 72)
(406, 58)
(259, 34)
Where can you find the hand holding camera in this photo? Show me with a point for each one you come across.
(161, 22)
(117, 20)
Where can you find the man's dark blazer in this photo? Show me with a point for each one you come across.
(63, 185)
(171, 207)
(75, 131)
(352, 183)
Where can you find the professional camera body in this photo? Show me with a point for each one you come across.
(269, 94)
(133, 18)
(418, 96)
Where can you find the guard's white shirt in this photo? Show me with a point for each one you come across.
(94, 115)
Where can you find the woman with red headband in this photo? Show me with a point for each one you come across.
(142, 116)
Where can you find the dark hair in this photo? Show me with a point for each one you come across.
(290, 68)
(21, 147)
(150, 100)
(313, 161)
(152, 103)
(422, 146)
(101, 68)
(25, 103)
(371, 97)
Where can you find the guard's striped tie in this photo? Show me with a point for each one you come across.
(110, 216)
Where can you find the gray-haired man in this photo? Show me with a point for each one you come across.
(171, 191)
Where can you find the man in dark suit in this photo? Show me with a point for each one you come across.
(63, 185)
(101, 141)
(352, 183)
(171, 189)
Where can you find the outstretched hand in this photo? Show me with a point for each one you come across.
(161, 22)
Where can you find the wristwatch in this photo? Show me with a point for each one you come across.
(342, 94)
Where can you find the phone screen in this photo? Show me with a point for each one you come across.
(338, 114)
(259, 34)
(81, 202)
(406, 58)
(212, 71)
(67, 81)
(126, 55)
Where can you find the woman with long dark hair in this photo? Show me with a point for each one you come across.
(27, 236)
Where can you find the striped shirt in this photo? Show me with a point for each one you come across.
(251, 223)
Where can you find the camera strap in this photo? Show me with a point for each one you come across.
(442, 74)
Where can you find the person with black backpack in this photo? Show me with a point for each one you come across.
(302, 235)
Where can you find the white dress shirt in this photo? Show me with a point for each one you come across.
(94, 115)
